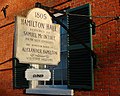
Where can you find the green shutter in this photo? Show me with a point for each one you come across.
(19, 80)
(80, 63)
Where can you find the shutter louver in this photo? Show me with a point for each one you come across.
(19, 75)
(80, 67)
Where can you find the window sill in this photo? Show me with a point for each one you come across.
(51, 90)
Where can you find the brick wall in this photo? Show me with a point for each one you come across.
(107, 46)
(106, 43)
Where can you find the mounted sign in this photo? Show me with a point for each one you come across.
(37, 39)
(38, 74)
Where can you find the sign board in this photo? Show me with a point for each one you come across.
(37, 39)
(38, 74)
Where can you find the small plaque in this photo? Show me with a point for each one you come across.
(38, 74)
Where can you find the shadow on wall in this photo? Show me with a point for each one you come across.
(3, 92)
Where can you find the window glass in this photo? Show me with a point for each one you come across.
(59, 72)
